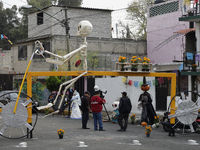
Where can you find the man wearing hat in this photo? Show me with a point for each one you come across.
(96, 105)
(125, 107)
(85, 107)
(148, 112)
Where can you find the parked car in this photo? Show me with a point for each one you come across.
(11, 96)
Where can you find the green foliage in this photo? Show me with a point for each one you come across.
(39, 3)
(72, 3)
(92, 58)
(53, 83)
(16, 28)
(137, 12)
(9, 22)
(16, 84)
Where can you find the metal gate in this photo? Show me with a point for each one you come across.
(161, 95)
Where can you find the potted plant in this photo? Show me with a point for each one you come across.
(145, 62)
(156, 121)
(122, 60)
(148, 131)
(60, 133)
(134, 63)
(194, 66)
(132, 118)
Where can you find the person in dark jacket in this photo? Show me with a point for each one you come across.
(125, 107)
(85, 108)
(96, 103)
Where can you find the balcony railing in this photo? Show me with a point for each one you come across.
(190, 10)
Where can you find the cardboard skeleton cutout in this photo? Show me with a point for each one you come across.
(84, 29)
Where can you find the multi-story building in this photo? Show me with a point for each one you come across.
(168, 39)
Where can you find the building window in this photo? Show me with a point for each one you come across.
(40, 18)
(22, 52)
(46, 46)
(164, 9)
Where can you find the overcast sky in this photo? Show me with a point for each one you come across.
(104, 4)
(117, 5)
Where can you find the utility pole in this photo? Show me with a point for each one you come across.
(67, 36)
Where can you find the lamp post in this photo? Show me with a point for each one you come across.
(65, 22)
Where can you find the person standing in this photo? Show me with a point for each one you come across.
(125, 107)
(96, 105)
(85, 107)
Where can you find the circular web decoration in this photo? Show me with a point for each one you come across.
(187, 112)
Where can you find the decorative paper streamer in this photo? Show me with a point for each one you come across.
(130, 82)
(136, 83)
(189, 56)
(149, 83)
(181, 67)
(5, 37)
(2, 54)
(175, 71)
(10, 42)
(195, 1)
(161, 80)
(197, 57)
(123, 79)
(141, 82)
(155, 82)
(187, 2)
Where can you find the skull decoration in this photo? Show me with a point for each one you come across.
(115, 105)
(84, 28)
(96, 88)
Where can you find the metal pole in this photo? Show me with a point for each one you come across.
(67, 37)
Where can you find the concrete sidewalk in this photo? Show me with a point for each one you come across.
(45, 137)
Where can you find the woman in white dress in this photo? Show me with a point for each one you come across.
(76, 113)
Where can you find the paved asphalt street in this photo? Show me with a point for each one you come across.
(45, 137)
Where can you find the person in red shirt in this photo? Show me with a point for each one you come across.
(96, 103)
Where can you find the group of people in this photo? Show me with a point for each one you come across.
(93, 103)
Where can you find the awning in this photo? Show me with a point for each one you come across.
(185, 31)
(190, 73)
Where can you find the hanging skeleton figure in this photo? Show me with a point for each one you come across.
(84, 29)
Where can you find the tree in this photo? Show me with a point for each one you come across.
(72, 3)
(53, 83)
(8, 23)
(39, 3)
(137, 12)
